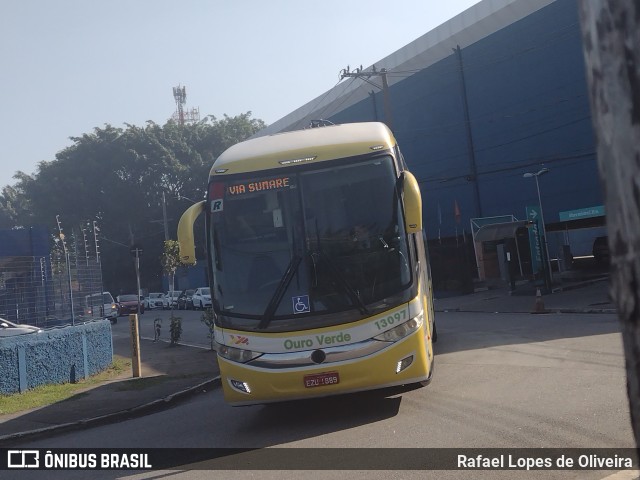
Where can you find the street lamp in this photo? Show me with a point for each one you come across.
(544, 232)
(182, 197)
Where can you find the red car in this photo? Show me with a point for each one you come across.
(129, 304)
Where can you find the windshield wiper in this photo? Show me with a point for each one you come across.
(346, 287)
(292, 268)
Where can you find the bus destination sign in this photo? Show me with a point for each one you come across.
(261, 185)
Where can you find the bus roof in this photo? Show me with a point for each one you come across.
(304, 146)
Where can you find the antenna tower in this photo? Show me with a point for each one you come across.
(181, 115)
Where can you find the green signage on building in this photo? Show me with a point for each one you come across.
(597, 211)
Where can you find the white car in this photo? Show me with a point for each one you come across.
(101, 305)
(9, 329)
(170, 302)
(155, 300)
(201, 298)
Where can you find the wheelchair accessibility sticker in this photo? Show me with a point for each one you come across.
(301, 304)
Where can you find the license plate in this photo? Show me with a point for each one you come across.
(321, 379)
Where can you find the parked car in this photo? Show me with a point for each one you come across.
(101, 305)
(185, 301)
(129, 304)
(155, 300)
(201, 298)
(9, 329)
(171, 302)
(601, 250)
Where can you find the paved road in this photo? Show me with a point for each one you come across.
(506, 380)
(194, 332)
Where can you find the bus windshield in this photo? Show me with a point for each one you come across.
(291, 247)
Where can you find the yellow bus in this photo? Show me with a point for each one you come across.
(319, 276)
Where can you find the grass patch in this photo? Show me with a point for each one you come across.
(49, 394)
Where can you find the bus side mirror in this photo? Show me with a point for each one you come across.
(412, 203)
(185, 233)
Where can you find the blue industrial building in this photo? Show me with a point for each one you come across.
(497, 91)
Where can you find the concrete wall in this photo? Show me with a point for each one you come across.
(54, 356)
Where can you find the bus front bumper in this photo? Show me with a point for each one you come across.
(403, 362)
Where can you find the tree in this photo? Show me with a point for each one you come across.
(171, 260)
(611, 43)
(208, 318)
(116, 176)
(14, 205)
(175, 328)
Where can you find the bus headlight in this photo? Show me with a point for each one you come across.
(402, 330)
(239, 355)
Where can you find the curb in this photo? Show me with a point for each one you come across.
(560, 289)
(584, 283)
(137, 411)
(611, 311)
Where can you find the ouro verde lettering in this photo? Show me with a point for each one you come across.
(301, 343)
(331, 339)
(320, 340)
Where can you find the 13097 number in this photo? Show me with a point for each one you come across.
(393, 319)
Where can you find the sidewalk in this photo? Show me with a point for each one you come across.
(169, 374)
(578, 297)
(173, 373)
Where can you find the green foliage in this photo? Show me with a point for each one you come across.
(170, 261)
(175, 329)
(14, 205)
(207, 318)
(171, 257)
(116, 176)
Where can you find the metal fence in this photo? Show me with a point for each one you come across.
(49, 290)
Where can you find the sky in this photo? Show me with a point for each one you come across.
(69, 66)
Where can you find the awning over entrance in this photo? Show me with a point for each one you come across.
(499, 231)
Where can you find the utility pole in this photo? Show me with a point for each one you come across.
(164, 217)
(165, 220)
(382, 73)
(166, 238)
(136, 251)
